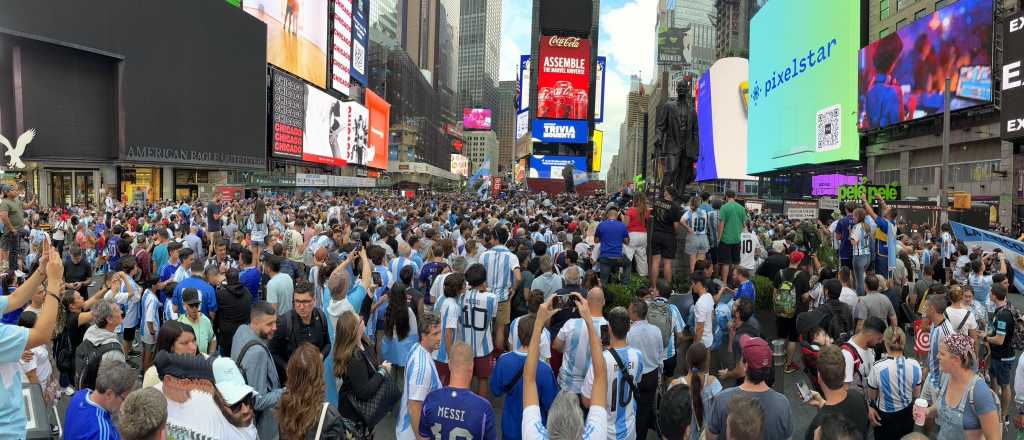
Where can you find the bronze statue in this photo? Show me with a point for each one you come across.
(570, 182)
(675, 143)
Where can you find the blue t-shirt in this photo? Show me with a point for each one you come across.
(251, 278)
(984, 403)
(612, 234)
(160, 257)
(843, 236)
(13, 340)
(87, 421)
(207, 295)
(456, 413)
(747, 291)
(508, 366)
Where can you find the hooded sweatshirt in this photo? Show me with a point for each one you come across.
(261, 375)
(100, 336)
(234, 305)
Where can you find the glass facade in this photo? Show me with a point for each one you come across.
(479, 49)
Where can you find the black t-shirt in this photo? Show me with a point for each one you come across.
(212, 211)
(772, 265)
(665, 218)
(854, 408)
(74, 273)
(1002, 323)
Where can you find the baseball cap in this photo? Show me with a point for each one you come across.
(229, 380)
(796, 257)
(190, 296)
(756, 352)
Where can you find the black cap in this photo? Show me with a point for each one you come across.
(190, 296)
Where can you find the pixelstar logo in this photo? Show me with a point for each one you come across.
(799, 65)
(556, 131)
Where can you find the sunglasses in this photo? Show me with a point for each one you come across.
(247, 401)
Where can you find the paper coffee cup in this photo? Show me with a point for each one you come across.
(920, 411)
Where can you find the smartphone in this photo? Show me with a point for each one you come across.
(562, 302)
(606, 338)
(805, 392)
(358, 247)
(376, 279)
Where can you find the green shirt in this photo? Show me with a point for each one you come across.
(203, 330)
(733, 216)
(15, 211)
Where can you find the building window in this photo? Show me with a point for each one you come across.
(886, 177)
(900, 4)
(882, 33)
(901, 23)
(883, 9)
(943, 3)
(922, 175)
(973, 171)
(920, 13)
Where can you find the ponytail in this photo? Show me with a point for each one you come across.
(697, 361)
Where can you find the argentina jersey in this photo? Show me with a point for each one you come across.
(420, 379)
(545, 339)
(595, 428)
(895, 380)
(478, 311)
(678, 325)
(576, 358)
(450, 313)
(499, 262)
(395, 268)
(697, 220)
(621, 401)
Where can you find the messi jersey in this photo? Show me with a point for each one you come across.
(457, 414)
(478, 311)
(621, 401)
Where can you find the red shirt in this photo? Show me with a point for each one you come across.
(635, 224)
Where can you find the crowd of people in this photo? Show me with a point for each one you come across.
(319, 316)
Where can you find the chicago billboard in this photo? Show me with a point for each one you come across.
(311, 125)
(803, 85)
(722, 121)
(1013, 93)
(296, 36)
(341, 62)
(902, 75)
(563, 78)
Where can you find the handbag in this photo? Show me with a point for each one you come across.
(373, 410)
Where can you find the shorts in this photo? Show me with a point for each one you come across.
(482, 366)
(129, 334)
(728, 253)
(697, 244)
(1001, 369)
(787, 329)
(504, 314)
(663, 245)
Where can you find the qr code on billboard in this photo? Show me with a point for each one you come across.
(359, 57)
(828, 131)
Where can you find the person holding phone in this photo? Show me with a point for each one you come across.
(572, 341)
(836, 398)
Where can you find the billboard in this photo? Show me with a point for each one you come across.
(674, 46)
(325, 137)
(311, 125)
(360, 39)
(476, 118)
(460, 165)
(599, 82)
(595, 160)
(341, 61)
(550, 167)
(828, 184)
(554, 130)
(522, 123)
(288, 116)
(722, 121)
(563, 78)
(1013, 94)
(356, 121)
(803, 85)
(380, 123)
(296, 36)
(235, 3)
(524, 82)
(902, 75)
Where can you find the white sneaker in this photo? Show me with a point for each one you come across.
(69, 391)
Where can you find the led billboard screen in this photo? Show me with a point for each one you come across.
(460, 165)
(380, 124)
(341, 50)
(550, 167)
(722, 121)
(902, 75)
(563, 78)
(553, 131)
(476, 118)
(296, 36)
(360, 38)
(311, 125)
(828, 184)
(803, 84)
(1012, 79)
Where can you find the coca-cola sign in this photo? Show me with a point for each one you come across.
(569, 42)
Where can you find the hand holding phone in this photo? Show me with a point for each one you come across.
(805, 392)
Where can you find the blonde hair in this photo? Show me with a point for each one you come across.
(956, 294)
(894, 339)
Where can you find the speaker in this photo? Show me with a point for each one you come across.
(566, 17)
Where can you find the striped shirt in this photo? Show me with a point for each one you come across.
(576, 360)
(895, 380)
(938, 336)
(622, 409)
(678, 325)
(450, 312)
(396, 266)
(500, 264)
(545, 340)
(420, 379)
(478, 312)
(697, 220)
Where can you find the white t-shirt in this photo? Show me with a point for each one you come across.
(849, 297)
(750, 245)
(545, 340)
(622, 413)
(594, 429)
(450, 313)
(956, 316)
(200, 417)
(576, 347)
(40, 362)
(150, 313)
(867, 359)
(704, 311)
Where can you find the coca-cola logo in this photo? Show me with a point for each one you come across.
(570, 42)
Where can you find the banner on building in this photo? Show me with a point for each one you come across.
(554, 130)
(522, 123)
(1013, 80)
(595, 160)
(674, 46)
(989, 242)
(599, 82)
(380, 116)
(563, 78)
(524, 82)
(360, 39)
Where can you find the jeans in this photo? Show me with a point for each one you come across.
(860, 265)
(608, 264)
(882, 265)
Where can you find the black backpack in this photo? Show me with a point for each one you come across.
(88, 357)
(835, 325)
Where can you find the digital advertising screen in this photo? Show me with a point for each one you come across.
(524, 82)
(288, 115)
(803, 84)
(324, 140)
(595, 160)
(460, 165)
(902, 75)
(722, 121)
(380, 125)
(828, 184)
(341, 50)
(1012, 80)
(599, 83)
(550, 167)
(356, 118)
(555, 130)
(296, 35)
(563, 78)
(476, 118)
(360, 39)
(522, 123)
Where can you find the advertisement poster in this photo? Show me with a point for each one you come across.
(674, 47)
(803, 85)
(460, 165)
(595, 161)
(521, 171)
(341, 64)
(296, 36)
(522, 123)
(326, 126)
(1012, 249)
(360, 39)
(476, 118)
(1013, 94)
(599, 82)
(722, 121)
(553, 131)
(524, 82)
(902, 76)
(550, 167)
(563, 78)
(828, 184)
(380, 125)
(288, 115)
(356, 134)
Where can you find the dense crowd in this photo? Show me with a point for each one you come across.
(321, 316)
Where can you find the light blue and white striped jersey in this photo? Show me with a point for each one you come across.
(622, 402)
(420, 379)
(478, 312)
(385, 276)
(555, 249)
(678, 325)
(595, 428)
(499, 262)
(396, 266)
(697, 220)
(576, 349)
(895, 379)
(450, 312)
(545, 340)
(982, 287)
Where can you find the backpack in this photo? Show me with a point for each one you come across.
(810, 235)
(858, 378)
(244, 350)
(785, 297)
(1017, 338)
(659, 315)
(835, 326)
(87, 362)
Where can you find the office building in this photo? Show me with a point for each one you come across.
(505, 122)
(479, 52)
